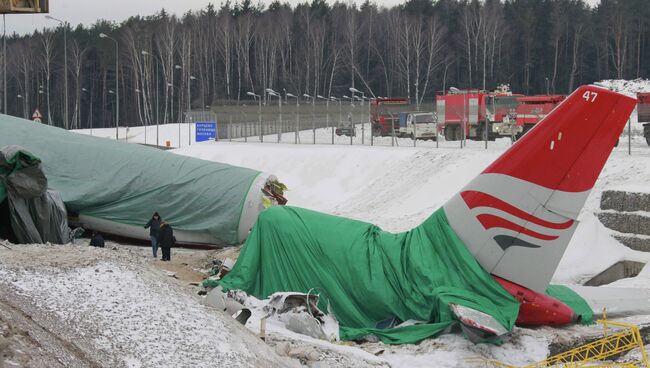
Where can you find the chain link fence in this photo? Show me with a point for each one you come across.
(309, 122)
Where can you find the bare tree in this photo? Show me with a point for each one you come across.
(618, 43)
(47, 41)
(76, 60)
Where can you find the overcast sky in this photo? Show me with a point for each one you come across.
(87, 12)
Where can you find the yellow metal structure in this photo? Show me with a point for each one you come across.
(593, 354)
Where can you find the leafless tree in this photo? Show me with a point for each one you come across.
(77, 55)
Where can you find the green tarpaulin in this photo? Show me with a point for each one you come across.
(10, 165)
(368, 275)
(125, 183)
(574, 301)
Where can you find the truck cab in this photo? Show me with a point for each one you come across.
(532, 109)
(384, 114)
(418, 125)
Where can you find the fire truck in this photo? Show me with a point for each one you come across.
(643, 113)
(532, 109)
(384, 114)
(472, 109)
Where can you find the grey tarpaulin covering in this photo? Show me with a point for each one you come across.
(37, 215)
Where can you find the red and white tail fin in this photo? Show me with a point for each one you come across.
(518, 216)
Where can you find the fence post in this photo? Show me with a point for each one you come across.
(415, 133)
(363, 127)
(629, 137)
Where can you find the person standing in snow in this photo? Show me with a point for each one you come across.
(154, 229)
(97, 240)
(166, 240)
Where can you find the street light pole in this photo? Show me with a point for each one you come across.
(146, 53)
(297, 129)
(140, 93)
(340, 115)
(275, 94)
(189, 110)
(327, 109)
(20, 97)
(117, 86)
(4, 62)
(313, 115)
(351, 117)
(259, 112)
(179, 107)
(363, 123)
(65, 67)
(178, 120)
(111, 92)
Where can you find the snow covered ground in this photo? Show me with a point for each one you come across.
(398, 187)
(108, 307)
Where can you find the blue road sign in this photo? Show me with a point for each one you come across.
(206, 131)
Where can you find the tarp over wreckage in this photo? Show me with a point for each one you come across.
(123, 183)
(368, 275)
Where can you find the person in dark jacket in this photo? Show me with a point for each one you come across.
(97, 240)
(154, 228)
(166, 240)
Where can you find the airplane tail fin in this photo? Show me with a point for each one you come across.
(518, 216)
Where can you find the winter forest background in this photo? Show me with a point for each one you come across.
(218, 54)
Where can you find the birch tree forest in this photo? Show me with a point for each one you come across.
(216, 55)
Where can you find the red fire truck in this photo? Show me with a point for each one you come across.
(473, 109)
(643, 113)
(384, 114)
(532, 109)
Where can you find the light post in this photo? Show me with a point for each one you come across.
(351, 117)
(327, 109)
(178, 119)
(117, 84)
(20, 98)
(145, 53)
(259, 112)
(4, 62)
(111, 92)
(296, 137)
(90, 112)
(340, 115)
(547, 86)
(313, 115)
(363, 123)
(169, 85)
(143, 122)
(40, 92)
(65, 67)
(354, 90)
(271, 92)
(189, 109)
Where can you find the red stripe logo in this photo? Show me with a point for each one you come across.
(475, 199)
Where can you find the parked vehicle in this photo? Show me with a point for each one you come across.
(384, 114)
(346, 128)
(467, 113)
(418, 125)
(643, 113)
(532, 109)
